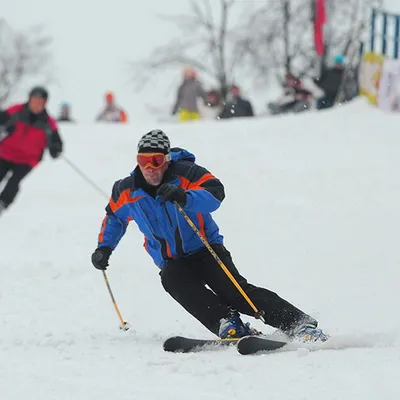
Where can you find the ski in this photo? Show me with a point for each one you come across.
(180, 344)
(247, 345)
(254, 344)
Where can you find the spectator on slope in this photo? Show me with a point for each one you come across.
(27, 130)
(65, 113)
(330, 81)
(188, 93)
(213, 106)
(236, 105)
(297, 96)
(147, 196)
(112, 112)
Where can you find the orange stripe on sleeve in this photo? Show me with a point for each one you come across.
(124, 198)
(187, 185)
(103, 228)
(203, 179)
(201, 224)
(168, 250)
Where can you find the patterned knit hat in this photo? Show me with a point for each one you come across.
(155, 141)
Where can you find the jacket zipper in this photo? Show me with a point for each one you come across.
(169, 217)
(147, 221)
(179, 229)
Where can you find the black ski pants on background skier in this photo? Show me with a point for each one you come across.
(185, 280)
(11, 188)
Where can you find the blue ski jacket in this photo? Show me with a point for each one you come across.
(167, 233)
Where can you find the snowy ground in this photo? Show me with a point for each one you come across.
(312, 212)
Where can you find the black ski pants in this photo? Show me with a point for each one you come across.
(11, 188)
(185, 280)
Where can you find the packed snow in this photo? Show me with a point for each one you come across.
(312, 212)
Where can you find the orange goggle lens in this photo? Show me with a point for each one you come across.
(152, 160)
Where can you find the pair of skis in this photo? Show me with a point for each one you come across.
(245, 346)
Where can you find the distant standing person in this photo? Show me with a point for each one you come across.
(330, 82)
(188, 93)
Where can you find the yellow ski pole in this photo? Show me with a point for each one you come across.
(124, 325)
(258, 314)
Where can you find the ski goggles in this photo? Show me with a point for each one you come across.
(152, 160)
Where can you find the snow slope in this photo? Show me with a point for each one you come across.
(312, 212)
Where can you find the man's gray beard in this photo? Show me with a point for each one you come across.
(152, 184)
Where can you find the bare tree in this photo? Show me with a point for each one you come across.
(280, 34)
(346, 23)
(205, 43)
(276, 37)
(23, 55)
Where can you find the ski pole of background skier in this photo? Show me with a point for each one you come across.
(84, 177)
(259, 314)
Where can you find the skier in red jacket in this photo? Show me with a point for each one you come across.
(26, 130)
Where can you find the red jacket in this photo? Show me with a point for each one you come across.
(29, 135)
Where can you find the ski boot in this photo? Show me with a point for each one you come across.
(232, 327)
(309, 333)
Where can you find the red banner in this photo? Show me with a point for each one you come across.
(319, 21)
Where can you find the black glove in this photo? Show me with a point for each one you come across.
(172, 193)
(100, 257)
(55, 144)
(56, 149)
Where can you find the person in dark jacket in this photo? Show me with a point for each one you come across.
(26, 131)
(236, 105)
(330, 82)
(162, 177)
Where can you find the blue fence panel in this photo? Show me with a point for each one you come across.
(384, 33)
(396, 37)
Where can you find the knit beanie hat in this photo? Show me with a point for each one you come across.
(155, 141)
(39, 91)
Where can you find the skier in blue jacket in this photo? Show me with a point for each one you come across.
(164, 176)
